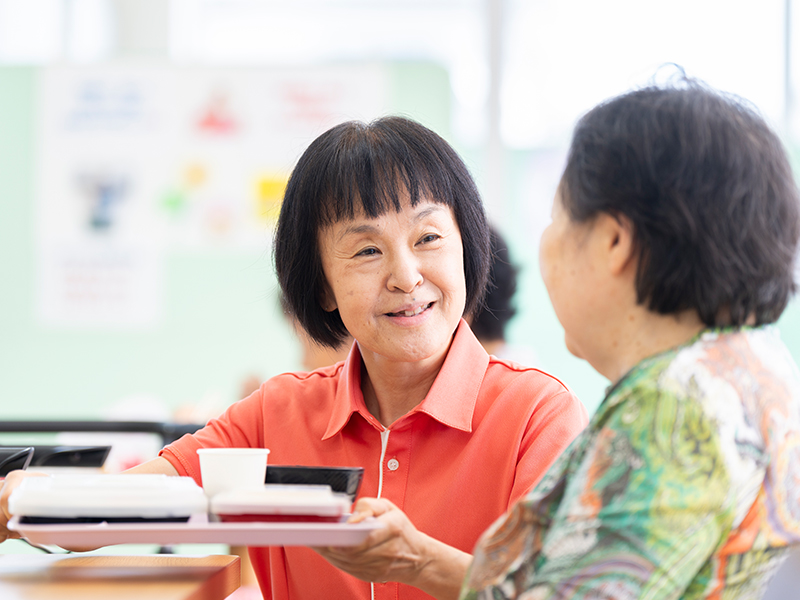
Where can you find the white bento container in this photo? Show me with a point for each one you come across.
(113, 498)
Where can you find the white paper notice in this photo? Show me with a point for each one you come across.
(99, 250)
(137, 162)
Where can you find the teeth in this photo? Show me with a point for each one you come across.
(412, 313)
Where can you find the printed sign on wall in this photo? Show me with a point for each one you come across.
(138, 162)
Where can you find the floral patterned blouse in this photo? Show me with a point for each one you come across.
(685, 484)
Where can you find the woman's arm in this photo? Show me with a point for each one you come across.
(400, 552)
(155, 466)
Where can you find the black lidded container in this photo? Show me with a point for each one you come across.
(344, 480)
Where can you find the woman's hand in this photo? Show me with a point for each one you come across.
(400, 552)
(9, 484)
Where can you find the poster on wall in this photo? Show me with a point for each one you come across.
(98, 254)
(137, 163)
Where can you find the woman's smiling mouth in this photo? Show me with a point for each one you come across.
(410, 312)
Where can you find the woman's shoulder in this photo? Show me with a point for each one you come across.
(717, 363)
(747, 367)
(730, 394)
(301, 379)
(287, 388)
(510, 386)
(508, 370)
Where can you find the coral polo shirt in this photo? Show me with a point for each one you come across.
(485, 433)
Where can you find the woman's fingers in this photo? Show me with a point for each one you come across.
(370, 507)
(387, 554)
(391, 517)
(10, 483)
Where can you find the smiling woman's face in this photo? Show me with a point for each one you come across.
(397, 280)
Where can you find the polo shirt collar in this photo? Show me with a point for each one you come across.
(451, 399)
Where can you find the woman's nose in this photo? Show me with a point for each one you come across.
(405, 274)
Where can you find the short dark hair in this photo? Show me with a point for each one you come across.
(709, 190)
(489, 323)
(357, 166)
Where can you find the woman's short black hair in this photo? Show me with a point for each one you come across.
(709, 190)
(489, 323)
(357, 166)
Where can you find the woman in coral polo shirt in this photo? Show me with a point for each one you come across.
(382, 235)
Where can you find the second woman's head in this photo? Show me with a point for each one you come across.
(708, 192)
(381, 224)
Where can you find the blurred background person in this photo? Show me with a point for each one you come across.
(490, 324)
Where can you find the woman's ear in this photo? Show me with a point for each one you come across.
(620, 243)
(327, 300)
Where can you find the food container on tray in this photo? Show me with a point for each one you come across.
(110, 498)
(281, 503)
(346, 480)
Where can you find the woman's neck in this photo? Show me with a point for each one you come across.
(643, 333)
(391, 390)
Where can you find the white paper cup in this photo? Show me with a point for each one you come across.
(225, 469)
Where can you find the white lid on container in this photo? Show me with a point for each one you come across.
(276, 499)
(119, 496)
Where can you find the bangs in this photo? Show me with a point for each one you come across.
(374, 171)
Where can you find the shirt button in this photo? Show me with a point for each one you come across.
(393, 464)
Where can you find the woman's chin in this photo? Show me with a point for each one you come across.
(573, 348)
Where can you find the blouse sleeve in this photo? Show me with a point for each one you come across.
(636, 512)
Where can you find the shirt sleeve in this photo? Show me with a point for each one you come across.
(556, 420)
(636, 513)
(238, 427)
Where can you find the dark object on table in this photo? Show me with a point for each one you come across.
(68, 456)
(345, 480)
(169, 432)
(13, 458)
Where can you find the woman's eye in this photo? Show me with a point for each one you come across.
(367, 252)
(431, 237)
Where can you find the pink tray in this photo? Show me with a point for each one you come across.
(198, 531)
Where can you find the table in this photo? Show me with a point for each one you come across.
(97, 577)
